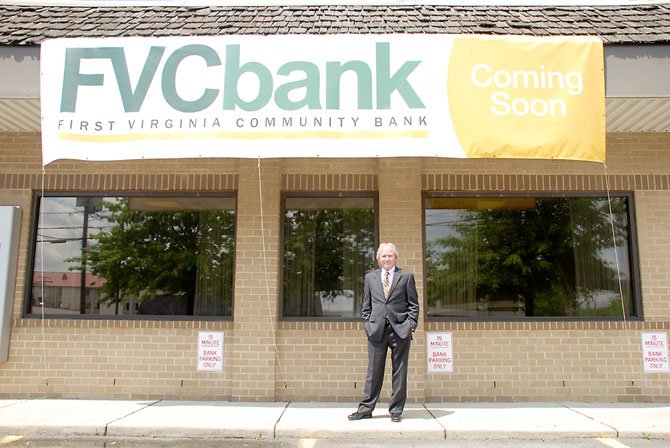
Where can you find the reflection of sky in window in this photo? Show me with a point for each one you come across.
(440, 222)
(608, 257)
(61, 231)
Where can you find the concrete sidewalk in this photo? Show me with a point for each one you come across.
(286, 421)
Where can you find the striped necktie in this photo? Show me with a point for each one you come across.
(386, 284)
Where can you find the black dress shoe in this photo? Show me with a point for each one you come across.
(396, 418)
(359, 415)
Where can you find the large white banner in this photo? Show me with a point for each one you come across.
(323, 96)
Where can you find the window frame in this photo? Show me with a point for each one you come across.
(36, 203)
(633, 255)
(371, 194)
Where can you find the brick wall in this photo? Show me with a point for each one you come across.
(142, 360)
(269, 359)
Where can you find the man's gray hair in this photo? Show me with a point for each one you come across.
(389, 245)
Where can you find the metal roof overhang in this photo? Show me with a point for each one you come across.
(636, 83)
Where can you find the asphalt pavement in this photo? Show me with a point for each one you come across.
(291, 420)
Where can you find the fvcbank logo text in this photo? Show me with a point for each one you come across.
(295, 85)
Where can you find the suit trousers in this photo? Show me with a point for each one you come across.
(374, 380)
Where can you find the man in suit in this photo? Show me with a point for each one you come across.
(390, 310)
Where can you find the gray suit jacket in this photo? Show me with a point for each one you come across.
(401, 309)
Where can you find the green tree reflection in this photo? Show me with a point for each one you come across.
(163, 256)
(551, 260)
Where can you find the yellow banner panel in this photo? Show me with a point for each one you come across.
(528, 98)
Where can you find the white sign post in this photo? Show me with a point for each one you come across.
(655, 352)
(10, 228)
(440, 354)
(210, 351)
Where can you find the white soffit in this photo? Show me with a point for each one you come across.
(638, 93)
(623, 115)
(19, 114)
(638, 114)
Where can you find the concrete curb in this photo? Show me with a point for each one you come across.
(289, 421)
(201, 419)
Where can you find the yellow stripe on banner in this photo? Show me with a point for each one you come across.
(229, 135)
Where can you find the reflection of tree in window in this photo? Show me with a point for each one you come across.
(176, 262)
(328, 248)
(554, 259)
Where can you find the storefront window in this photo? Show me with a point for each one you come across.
(329, 245)
(133, 255)
(529, 257)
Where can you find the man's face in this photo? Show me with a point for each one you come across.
(386, 258)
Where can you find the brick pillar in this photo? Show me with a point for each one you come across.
(256, 282)
(400, 222)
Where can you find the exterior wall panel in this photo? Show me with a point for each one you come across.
(267, 358)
